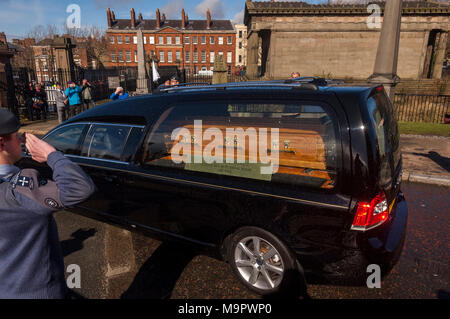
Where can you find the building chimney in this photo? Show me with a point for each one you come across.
(158, 19)
(108, 17)
(183, 19)
(208, 19)
(133, 18)
(140, 17)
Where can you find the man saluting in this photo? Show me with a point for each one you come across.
(31, 261)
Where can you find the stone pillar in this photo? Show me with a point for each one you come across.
(440, 55)
(220, 70)
(64, 58)
(424, 53)
(385, 71)
(252, 54)
(142, 81)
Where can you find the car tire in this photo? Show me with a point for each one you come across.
(274, 272)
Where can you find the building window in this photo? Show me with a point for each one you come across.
(161, 56)
(119, 39)
(220, 40)
(169, 56)
(161, 40)
(128, 56)
(240, 34)
(211, 57)
(134, 39)
(203, 56)
(177, 40)
(188, 56)
(195, 56)
(186, 40)
(203, 39)
(229, 40)
(194, 40)
(211, 40)
(240, 45)
(120, 56)
(127, 39)
(113, 56)
(178, 56)
(169, 40)
(229, 57)
(111, 39)
(151, 40)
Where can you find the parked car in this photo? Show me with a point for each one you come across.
(308, 185)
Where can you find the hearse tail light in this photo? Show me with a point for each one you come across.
(370, 215)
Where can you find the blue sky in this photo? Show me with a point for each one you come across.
(17, 17)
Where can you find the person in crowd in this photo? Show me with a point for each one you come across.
(31, 260)
(119, 94)
(87, 95)
(39, 102)
(29, 95)
(61, 101)
(73, 95)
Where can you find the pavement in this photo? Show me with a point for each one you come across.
(426, 159)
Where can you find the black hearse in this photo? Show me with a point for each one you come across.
(282, 179)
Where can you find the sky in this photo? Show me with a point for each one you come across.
(18, 17)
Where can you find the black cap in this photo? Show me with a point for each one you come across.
(9, 123)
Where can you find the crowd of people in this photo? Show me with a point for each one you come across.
(70, 102)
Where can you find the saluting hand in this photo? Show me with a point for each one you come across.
(38, 149)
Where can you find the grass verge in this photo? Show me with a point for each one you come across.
(424, 128)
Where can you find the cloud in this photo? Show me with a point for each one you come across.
(103, 4)
(239, 17)
(216, 7)
(172, 10)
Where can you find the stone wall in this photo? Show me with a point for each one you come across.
(341, 46)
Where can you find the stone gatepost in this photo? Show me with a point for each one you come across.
(220, 70)
(64, 58)
(385, 70)
(143, 83)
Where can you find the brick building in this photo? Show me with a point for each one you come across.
(187, 44)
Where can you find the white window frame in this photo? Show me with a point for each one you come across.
(229, 57)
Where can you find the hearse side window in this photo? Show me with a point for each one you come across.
(105, 141)
(382, 116)
(300, 140)
(66, 139)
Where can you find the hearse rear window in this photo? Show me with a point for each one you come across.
(286, 143)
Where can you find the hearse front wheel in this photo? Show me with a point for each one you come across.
(264, 264)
